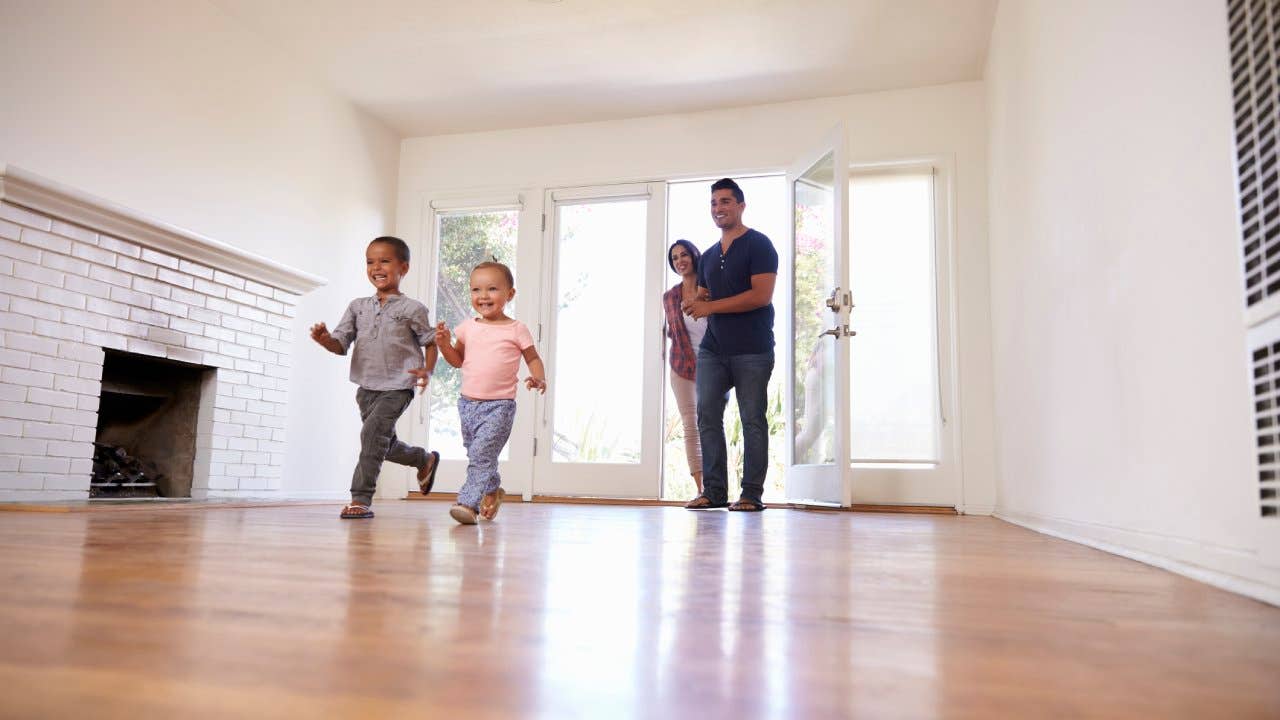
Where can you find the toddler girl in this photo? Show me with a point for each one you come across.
(488, 348)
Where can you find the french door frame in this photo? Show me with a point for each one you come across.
(624, 480)
(822, 483)
(843, 482)
(906, 483)
(517, 469)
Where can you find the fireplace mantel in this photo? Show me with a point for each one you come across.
(29, 190)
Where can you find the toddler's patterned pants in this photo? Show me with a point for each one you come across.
(486, 426)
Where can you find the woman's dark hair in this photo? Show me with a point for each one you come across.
(694, 253)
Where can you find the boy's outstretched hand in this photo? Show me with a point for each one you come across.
(536, 383)
(321, 335)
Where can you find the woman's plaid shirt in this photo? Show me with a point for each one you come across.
(684, 356)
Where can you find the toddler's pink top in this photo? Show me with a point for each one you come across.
(492, 360)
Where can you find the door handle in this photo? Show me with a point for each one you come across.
(842, 331)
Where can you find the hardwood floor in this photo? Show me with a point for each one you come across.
(563, 611)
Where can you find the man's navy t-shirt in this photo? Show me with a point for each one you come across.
(730, 274)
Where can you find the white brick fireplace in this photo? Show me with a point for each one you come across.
(81, 275)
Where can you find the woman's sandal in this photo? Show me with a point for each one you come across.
(427, 478)
(491, 503)
(356, 512)
(702, 502)
(463, 514)
(745, 505)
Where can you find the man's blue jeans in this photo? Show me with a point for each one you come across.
(748, 375)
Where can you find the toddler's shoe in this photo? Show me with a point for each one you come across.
(490, 504)
(463, 514)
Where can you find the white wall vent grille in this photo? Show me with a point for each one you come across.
(1254, 33)
(1266, 405)
(1255, 72)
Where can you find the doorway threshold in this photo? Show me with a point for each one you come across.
(643, 502)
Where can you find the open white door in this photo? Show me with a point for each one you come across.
(818, 470)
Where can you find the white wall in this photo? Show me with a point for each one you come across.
(944, 120)
(1122, 407)
(171, 109)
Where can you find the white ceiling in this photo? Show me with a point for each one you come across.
(429, 67)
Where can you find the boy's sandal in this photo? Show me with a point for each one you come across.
(463, 514)
(356, 512)
(427, 477)
(745, 505)
(491, 503)
(702, 502)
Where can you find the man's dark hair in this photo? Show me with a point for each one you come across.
(400, 246)
(694, 253)
(728, 184)
(511, 279)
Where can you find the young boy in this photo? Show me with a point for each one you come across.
(488, 350)
(394, 344)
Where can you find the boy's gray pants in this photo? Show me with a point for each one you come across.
(380, 409)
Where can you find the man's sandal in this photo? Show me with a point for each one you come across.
(746, 505)
(702, 502)
(355, 511)
(427, 474)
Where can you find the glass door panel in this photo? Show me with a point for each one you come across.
(600, 421)
(894, 374)
(466, 239)
(600, 308)
(814, 413)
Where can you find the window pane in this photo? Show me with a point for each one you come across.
(815, 386)
(893, 360)
(466, 240)
(599, 346)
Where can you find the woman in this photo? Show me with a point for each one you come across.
(686, 334)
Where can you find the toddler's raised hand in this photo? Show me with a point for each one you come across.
(536, 383)
(442, 334)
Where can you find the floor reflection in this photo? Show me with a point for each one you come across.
(590, 629)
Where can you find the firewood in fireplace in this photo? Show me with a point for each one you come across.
(116, 473)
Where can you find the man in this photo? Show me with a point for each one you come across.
(736, 277)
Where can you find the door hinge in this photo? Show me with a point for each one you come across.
(535, 447)
(544, 222)
(539, 332)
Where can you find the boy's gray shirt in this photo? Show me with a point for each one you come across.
(389, 340)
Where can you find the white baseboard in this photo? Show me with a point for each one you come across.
(196, 494)
(976, 509)
(341, 495)
(1086, 534)
(42, 495)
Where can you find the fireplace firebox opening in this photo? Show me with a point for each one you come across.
(147, 427)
